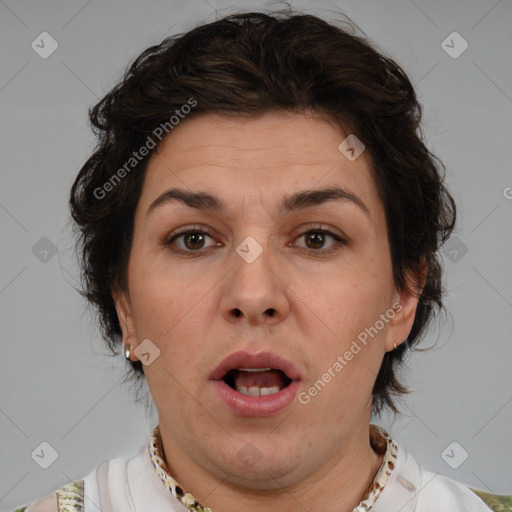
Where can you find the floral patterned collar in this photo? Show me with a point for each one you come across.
(380, 441)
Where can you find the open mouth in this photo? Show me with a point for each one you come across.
(256, 384)
(257, 381)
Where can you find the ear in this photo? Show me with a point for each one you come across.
(405, 305)
(124, 314)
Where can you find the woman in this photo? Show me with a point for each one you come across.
(260, 225)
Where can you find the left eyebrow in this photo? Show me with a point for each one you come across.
(296, 201)
(308, 198)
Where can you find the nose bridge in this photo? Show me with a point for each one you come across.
(256, 290)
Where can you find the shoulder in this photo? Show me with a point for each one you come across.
(412, 488)
(68, 498)
(95, 488)
(498, 503)
(442, 493)
(47, 504)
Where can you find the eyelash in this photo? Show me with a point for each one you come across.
(339, 241)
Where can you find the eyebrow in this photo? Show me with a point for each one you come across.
(293, 202)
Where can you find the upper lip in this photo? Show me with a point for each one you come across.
(242, 359)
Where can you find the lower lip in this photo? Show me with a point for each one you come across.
(256, 406)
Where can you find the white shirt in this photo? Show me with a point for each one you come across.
(131, 484)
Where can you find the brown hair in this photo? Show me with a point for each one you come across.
(247, 64)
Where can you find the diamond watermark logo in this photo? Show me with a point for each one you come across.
(249, 454)
(454, 45)
(147, 352)
(45, 455)
(44, 45)
(249, 249)
(454, 249)
(44, 250)
(454, 455)
(351, 147)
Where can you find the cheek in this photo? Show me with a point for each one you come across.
(348, 302)
(173, 314)
(155, 308)
(161, 299)
(349, 310)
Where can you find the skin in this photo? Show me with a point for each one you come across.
(316, 456)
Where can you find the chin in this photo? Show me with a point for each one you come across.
(264, 476)
(268, 467)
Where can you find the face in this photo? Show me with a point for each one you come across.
(267, 273)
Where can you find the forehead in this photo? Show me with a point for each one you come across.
(283, 137)
(246, 157)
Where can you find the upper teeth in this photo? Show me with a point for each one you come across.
(257, 391)
(253, 369)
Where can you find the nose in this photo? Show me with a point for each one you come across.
(256, 291)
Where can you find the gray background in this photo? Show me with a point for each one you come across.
(56, 384)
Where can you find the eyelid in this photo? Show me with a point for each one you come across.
(306, 228)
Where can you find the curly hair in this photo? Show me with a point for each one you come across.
(248, 64)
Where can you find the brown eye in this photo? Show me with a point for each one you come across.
(315, 241)
(193, 240)
(190, 241)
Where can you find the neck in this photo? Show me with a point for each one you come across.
(338, 486)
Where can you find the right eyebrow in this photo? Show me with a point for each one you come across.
(199, 200)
